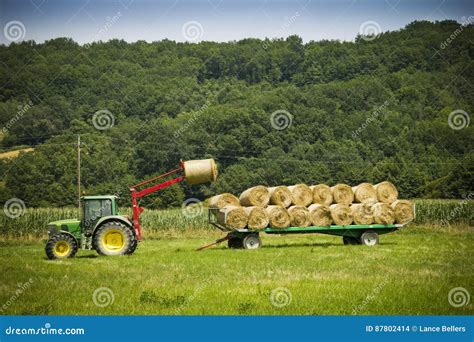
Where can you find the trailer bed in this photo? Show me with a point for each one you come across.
(351, 234)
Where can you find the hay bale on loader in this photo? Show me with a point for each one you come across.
(383, 213)
(279, 216)
(342, 194)
(280, 195)
(362, 213)
(364, 193)
(299, 216)
(233, 216)
(386, 192)
(320, 214)
(222, 200)
(200, 171)
(301, 194)
(341, 214)
(257, 217)
(403, 210)
(256, 196)
(322, 194)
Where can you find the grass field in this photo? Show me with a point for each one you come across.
(412, 271)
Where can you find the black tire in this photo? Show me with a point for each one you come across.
(114, 238)
(350, 240)
(61, 246)
(252, 241)
(132, 249)
(369, 238)
(235, 242)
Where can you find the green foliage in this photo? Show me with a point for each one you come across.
(361, 111)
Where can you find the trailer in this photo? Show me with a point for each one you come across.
(354, 234)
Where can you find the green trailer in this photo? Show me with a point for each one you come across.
(354, 234)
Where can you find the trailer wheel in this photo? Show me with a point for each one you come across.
(350, 240)
(252, 241)
(235, 243)
(369, 238)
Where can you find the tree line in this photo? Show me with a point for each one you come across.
(270, 112)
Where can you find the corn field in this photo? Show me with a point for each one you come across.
(33, 221)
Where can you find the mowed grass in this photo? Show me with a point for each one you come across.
(410, 272)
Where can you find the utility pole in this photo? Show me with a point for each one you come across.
(79, 173)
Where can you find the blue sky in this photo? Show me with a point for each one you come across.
(215, 20)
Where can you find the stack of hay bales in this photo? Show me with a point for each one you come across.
(319, 205)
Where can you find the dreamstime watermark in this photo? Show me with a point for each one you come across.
(14, 31)
(192, 207)
(375, 114)
(191, 120)
(281, 31)
(22, 109)
(370, 30)
(103, 119)
(458, 119)
(280, 297)
(21, 287)
(465, 22)
(109, 22)
(196, 292)
(192, 31)
(370, 297)
(458, 297)
(281, 119)
(457, 209)
(103, 297)
(14, 208)
(46, 330)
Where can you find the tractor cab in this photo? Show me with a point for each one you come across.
(94, 208)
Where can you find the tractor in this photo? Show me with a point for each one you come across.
(101, 227)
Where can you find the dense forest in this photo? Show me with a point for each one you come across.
(270, 112)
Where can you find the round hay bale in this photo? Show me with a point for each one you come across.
(386, 192)
(222, 200)
(362, 213)
(255, 196)
(279, 216)
(383, 213)
(301, 194)
(403, 211)
(341, 214)
(322, 194)
(299, 216)
(364, 193)
(342, 194)
(257, 217)
(320, 214)
(280, 195)
(232, 216)
(200, 171)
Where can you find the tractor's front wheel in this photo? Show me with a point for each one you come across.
(61, 246)
(114, 238)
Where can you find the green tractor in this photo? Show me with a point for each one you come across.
(102, 229)
(99, 228)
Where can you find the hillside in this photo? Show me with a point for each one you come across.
(391, 107)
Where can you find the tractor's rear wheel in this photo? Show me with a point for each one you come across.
(61, 246)
(114, 238)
